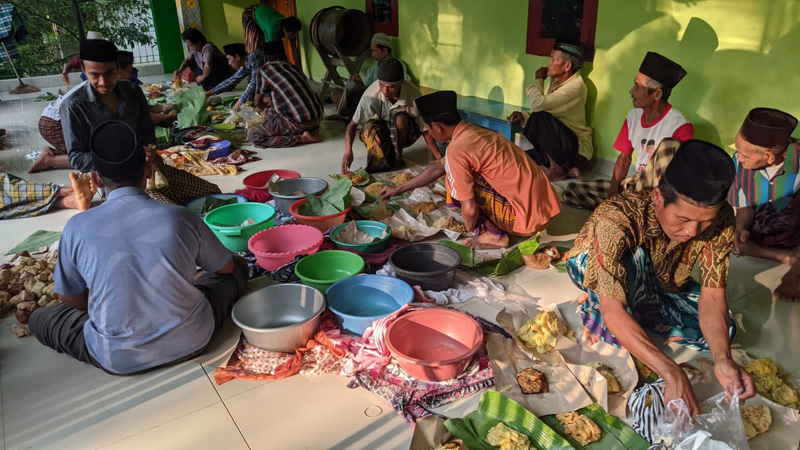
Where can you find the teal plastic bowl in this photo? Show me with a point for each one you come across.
(322, 269)
(372, 228)
(224, 222)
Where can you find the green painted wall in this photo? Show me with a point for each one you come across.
(739, 53)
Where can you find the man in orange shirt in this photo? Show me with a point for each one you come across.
(499, 189)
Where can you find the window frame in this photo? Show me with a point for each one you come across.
(390, 29)
(537, 45)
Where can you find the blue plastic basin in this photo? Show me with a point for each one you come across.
(358, 301)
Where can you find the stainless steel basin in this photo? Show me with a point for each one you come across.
(281, 317)
(309, 185)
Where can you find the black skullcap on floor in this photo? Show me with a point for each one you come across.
(569, 48)
(390, 70)
(701, 171)
(767, 127)
(662, 69)
(234, 49)
(115, 151)
(437, 103)
(98, 50)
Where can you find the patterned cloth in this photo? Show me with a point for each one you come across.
(628, 221)
(292, 96)
(279, 131)
(384, 146)
(589, 194)
(494, 206)
(673, 315)
(181, 187)
(230, 83)
(12, 30)
(757, 188)
(773, 228)
(52, 133)
(22, 198)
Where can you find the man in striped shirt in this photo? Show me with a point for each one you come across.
(766, 196)
(292, 108)
(246, 64)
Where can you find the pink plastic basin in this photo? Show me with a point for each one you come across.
(434, 344)
(276, 246)
(322, 223)
(259, 180)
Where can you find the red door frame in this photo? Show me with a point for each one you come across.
(391, 29)
(537, 45)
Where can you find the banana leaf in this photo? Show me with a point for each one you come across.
(467, 255)
(336, 199)
(510, 261)
(494, 408)
(616, 434)
(360, 171)
(192, 106)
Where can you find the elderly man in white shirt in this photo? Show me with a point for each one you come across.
(390, 121)
(556, 124)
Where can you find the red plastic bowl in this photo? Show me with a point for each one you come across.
(259, 180)
(322, 223)
(434, 344)
(276, 246)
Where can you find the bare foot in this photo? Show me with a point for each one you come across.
(789, 289)
(590, 337)
(308, 138)
(574, 173)
(43, 162)
(486, 240)
(84, 189)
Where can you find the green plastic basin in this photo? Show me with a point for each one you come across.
(372, 228)
(322, 269)
(224, 222)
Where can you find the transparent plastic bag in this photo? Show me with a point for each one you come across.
(718, 426)
(251, 117)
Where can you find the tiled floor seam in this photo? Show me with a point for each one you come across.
(222, 400)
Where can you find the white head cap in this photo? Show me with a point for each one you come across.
(94, 35)
(382, 39)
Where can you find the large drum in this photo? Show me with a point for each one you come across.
(348, 29)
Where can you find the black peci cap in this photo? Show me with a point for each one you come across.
(701, 171)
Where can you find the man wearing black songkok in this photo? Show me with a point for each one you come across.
(766, 194)
(652, 121)
(634, 258)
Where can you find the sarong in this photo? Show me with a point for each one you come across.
(492, 205)
(22, 198)
(384, 146)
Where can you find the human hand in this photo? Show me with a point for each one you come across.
(176, 74)
(733, 377)
(200, 79)
(613, 190)
(172, 115)
(677, 386)
(347, 160)
(390, 191)
(65, 77)
(740, 236)
(237, 106)
(516, 117)
(541, 73)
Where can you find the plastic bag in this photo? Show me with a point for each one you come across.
(251, 117)
(718, 426)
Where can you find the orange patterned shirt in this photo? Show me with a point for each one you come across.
(628, 221)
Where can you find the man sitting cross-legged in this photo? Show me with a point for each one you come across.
(766, 194)
(499, 188)
(126, 274)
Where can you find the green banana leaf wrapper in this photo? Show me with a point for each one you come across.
(510, 262)
(192, 106)
(467, 255)
(494, 408)
(617, 435)
(360, 171)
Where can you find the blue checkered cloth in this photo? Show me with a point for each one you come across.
(11, 30)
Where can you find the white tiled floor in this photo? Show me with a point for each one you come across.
(48, 400)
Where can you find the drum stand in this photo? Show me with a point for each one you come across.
(332, 77)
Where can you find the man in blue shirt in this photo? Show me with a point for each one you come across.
(246, 65)
(126, 272)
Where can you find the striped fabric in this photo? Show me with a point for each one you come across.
(755, 188)
(20, 198)
(672, 315)
(230, 83)
(647, 406)
(291, 94)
